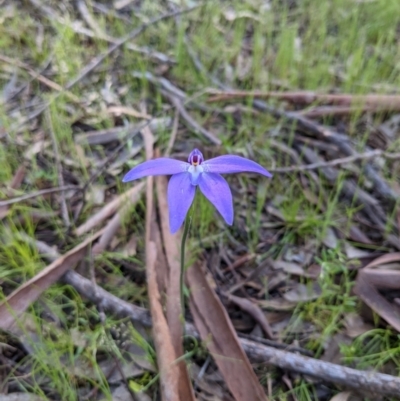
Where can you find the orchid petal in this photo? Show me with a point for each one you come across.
(233, 164)
(180, 197)
(215, 188)
(160, 166)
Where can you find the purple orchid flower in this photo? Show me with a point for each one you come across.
(197, 172)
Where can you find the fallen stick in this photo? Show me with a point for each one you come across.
(351, 378)
(37, 194)
(337, 162)
(387, 102)
(364, 381)
(371, 382)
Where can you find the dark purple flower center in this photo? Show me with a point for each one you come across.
(195, 157)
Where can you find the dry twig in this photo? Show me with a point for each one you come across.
(379, 102)
(337, 162)
(37, 194)
(189, 119)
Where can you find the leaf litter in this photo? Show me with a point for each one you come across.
(277, 272)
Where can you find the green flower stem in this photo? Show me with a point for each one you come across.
(186, 228)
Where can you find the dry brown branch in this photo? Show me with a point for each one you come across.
(384, 102)
(372, 382)
(331, 111)
(364, 381)
(115, 223)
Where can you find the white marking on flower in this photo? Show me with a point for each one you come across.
(195, 172)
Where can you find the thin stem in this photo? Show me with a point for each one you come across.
(186, 228)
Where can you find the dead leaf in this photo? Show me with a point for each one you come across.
(357, 235)
(36, 148)
(370, 295)
(96, 194)
(209, 386)
(303, 293)
(383, 279)
(288, 267)
(18, 301)
(174, 307)
(168, 370)
(113, 374)
(384, 259)
(330, 240)
(130, 248)
(355, 253)
(346, 396)
(173, 287)
(166, 357)
(253, 310)
(355, 325)
(162, 269)
(217, 332)
(129, 111)
(120, 393)
(332, 348)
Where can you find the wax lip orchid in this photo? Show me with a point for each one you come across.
(205, 174)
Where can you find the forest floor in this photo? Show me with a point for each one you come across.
(310, 266)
